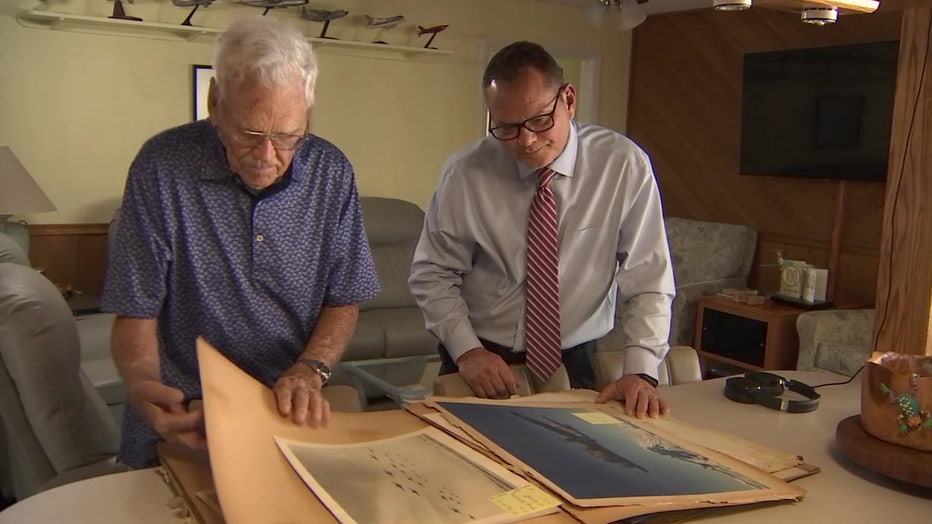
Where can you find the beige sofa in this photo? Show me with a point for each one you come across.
(390, 324)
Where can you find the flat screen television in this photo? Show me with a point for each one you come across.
(822, 112)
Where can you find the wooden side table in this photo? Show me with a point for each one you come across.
(747, 337)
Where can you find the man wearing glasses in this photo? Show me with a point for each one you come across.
(497, 285)
(244, 229)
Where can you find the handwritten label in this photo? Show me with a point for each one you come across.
(524, 500)
(593, 417)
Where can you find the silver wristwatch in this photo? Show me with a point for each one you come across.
(323, 370)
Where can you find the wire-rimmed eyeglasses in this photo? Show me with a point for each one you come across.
(280, 141)
(535, 124)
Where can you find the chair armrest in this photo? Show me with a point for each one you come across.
(680, 365)
(837, 340)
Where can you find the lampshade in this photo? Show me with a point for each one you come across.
(19, 193)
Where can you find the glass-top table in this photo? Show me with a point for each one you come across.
(402, 379)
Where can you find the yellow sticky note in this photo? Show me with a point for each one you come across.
(524, 500)
(594, 417)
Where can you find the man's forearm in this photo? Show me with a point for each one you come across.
(135, 348)
(332, 334)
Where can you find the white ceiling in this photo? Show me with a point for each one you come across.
(651, 7)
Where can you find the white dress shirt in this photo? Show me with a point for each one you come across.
(468, 274)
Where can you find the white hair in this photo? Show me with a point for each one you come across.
(267, 50)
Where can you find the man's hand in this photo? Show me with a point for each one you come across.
(299, 396)
(639, 397)
(164, 407)
(487, 374)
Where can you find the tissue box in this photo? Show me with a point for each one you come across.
(815, 281)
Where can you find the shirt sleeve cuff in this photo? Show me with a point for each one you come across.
(640, 360)
(460, 344)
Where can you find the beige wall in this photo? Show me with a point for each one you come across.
(76, 107)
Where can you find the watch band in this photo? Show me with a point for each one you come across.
(649, 379)
(319, 367)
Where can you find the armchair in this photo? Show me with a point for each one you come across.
(838, 340)
(11, 251)
(55, 426)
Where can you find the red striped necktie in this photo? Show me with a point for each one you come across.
(542, 331)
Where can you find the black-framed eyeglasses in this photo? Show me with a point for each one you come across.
(535, 124)
(280, 141)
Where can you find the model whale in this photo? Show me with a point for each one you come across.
(190, 3)
(271, 4)
(323, 15)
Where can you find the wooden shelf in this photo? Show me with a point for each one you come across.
(177, 32)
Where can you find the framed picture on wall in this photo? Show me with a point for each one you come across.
(202, 75)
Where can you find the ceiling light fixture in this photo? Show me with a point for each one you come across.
(731, 5)
(820, 15)
(628, 14)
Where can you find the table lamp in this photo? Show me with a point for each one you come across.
(19, 193)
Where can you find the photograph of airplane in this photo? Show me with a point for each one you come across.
(322, 15)
(271, 4)
(190, 3)
(387, 22)
(120, 14)
(432, 31)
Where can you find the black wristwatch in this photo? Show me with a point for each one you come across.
(649, 379)
(322, 369)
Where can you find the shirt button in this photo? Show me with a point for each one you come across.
(259, 238)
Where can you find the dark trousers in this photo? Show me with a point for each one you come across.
(577, 360)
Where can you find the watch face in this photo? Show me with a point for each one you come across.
(319, 367)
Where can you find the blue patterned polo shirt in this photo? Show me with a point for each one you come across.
(249, 273)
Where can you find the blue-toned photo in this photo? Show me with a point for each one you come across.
(575, 449)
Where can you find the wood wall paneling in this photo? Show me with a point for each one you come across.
(72, 255)
(685, 111)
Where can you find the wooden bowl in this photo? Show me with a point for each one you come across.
(896, 399)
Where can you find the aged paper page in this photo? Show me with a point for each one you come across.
(255, 483)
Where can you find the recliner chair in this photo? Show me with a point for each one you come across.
(56, 428)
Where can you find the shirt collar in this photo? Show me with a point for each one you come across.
(565, 163)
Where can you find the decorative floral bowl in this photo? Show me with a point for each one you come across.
(896, 399)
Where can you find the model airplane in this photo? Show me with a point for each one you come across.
(189, 3)
(384, 23)
(271, 4)
(432, 31)
(322, 15)
(387, 22)
(120, 14)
